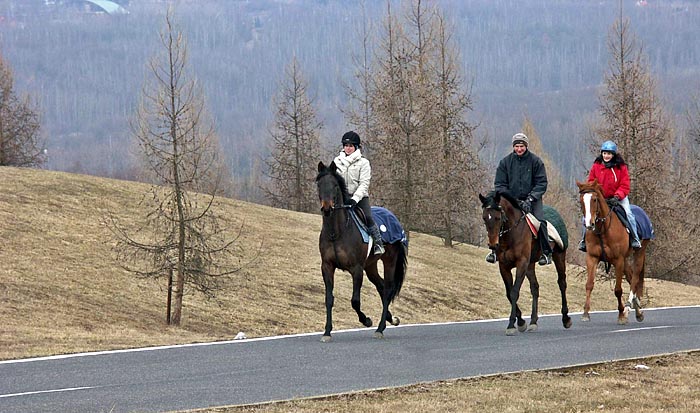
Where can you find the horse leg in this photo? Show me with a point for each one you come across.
(560, 264)
(622, 311)
(328, 271)
(383, 286)
(535, 292)
(507, 278)
(357, 274)
(376, 279)
(591, 264)
(637, 290)
(514, 296)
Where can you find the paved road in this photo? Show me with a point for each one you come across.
(249, 371)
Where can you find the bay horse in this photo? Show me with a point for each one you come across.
(607, 240)
(510, 237)
(342, 246)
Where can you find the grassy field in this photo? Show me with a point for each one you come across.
(61, 290)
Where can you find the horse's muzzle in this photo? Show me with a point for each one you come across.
(326, 207)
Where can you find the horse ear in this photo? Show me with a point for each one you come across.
(321, 166)
(332, 166)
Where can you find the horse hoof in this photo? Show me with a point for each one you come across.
(585, 318)
(622, 321)
(368, 322)
(640, 317)
(532, 328)
(326, 339)
(378, 335)
(395, 321)
(510, 331)
(522, 328)
(567, 323)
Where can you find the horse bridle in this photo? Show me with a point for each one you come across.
(504, 220)
(598, 220)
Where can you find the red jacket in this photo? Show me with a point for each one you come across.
(615, 180)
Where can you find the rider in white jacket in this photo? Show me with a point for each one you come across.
(357, 172)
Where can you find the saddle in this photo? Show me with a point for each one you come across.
(534, 224)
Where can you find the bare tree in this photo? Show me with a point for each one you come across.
(358, 110)
(402, 102)
(20, 141)
(181, 237)
(634, 118)
(294, 150)
(457, 172)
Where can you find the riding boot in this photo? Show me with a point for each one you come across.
(377, 238)
(546, 257)
(582, 245)
(636, 244)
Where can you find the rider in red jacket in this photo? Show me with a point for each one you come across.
(611, 172)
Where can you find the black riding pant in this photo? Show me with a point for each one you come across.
(366, 208)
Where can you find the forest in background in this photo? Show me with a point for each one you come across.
(541, 59)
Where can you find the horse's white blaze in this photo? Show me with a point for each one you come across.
(587, 209)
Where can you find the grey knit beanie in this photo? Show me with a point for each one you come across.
(520, 138)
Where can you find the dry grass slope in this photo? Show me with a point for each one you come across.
(61, 290)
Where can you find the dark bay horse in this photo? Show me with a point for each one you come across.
(607, 240)
(341, 245)
(510, 237)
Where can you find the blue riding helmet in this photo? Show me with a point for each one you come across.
(609, 146)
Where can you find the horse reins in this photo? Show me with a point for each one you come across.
(504, 220)
(600, 232)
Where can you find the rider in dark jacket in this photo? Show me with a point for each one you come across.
(523, 175)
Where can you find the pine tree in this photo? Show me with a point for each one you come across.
(294, 150)
(634, 118)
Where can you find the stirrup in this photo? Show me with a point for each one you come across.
(582, 246)
(378, 249)
(491, 258)
(545, 259)
(636, 244)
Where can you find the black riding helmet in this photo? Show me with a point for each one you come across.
(353, 138)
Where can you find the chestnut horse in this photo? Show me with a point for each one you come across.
(607, 240)
(342, 246)
(509, 236)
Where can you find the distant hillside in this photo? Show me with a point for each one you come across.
(540, 58)
(61, 290)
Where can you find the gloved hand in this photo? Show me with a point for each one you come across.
(351, 202)
(614, 201)
(526, 205)
(617, 198)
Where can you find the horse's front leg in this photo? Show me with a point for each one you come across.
(535, 292)
(357, 275)
(514, 295)
(328, 271)
(591, 264)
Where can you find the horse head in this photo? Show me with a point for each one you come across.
(498, 210)
(593, 204)
(332, 190)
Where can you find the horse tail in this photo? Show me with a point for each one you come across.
(399, 271)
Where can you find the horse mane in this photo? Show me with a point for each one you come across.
(491, 203)
(332, 171)
(591, 186)
(510, 198)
